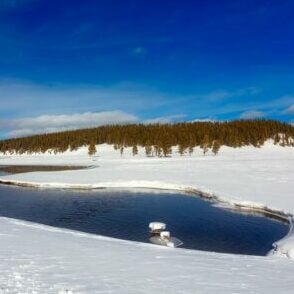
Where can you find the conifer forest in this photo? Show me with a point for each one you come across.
(158, 139)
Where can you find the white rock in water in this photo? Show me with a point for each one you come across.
(154, 226)
(165, 234)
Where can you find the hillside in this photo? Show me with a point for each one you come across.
(157, 139)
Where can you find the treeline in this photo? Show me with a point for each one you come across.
(158, 139)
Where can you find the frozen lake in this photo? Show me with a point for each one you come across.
(126, 214)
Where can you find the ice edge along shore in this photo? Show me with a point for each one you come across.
(283, 247)
(258, 179)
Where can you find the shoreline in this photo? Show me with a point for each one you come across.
(262, 209)
(278, 246)
(244, 179)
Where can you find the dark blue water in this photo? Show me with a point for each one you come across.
(126, 215)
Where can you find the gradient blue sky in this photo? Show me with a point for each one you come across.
(70, 63)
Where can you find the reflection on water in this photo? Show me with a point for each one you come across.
(126, 215)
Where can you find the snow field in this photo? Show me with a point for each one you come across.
(40, 259)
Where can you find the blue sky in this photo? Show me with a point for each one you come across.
(70, 63)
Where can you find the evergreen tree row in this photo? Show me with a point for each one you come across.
(158, 139)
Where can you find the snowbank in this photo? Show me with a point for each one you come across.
(40, 259)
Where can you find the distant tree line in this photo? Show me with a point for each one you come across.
(158, 139)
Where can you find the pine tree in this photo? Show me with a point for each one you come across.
(215, 147)
(167, 150)
(121, 151)
(148, 150)
(191, 149)
(158, 150)
(181, 149)
(205, 144)
(276, 139)
(135, 150)
(92, 149)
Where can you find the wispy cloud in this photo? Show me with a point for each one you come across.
(216, 95)
(165, 119)
(235, 106)
(9, 4)
(289, 110)
(32, 99)
(204, 120)
(54, 123)
(222, 94)
(139, 51)
(57, 102)
(252, 114)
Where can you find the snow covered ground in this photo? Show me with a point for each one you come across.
(40, 259)
(48, 260)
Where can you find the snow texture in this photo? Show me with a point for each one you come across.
(41, 259)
